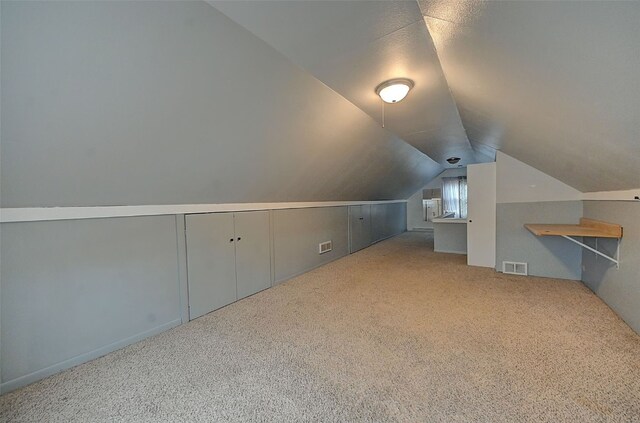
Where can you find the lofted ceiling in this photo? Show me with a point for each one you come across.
(352, 46)
(553, 84)
(126, 103)
(103, 101)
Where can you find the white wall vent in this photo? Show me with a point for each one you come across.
(514, 268)
(325, 247)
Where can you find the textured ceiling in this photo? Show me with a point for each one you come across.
(102, 102)
(553, 84)
(125, 103)
(352, 46)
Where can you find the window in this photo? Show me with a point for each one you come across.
(454, 196)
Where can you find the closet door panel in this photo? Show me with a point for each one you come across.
(211, 266)
(253, 255)
(378, 222)
(359, 227)
(481, 217)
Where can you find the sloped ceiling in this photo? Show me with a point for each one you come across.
(117, 103)
(352, 46)
(553, 84)
(125, 103)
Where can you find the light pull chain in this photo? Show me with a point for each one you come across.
(383, 114)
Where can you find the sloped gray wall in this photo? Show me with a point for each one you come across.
(352, 46)
(122, 103)
(552, 83)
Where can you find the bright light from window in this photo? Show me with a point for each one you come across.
(454, 196)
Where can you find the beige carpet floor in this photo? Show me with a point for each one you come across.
(393, 333)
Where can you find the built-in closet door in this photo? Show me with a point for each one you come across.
(396, 219)
(253, 257)
(359, 227)
(481, 215)
(378, 222)
(211, 262)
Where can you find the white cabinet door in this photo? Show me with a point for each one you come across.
(211, 262)
(253, 252)
(481, 219)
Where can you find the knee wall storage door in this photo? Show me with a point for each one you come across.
(211, 262)
(359, 227)
(253, 255)
(228, 258)
(388, 220)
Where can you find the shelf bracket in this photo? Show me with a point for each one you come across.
(616, 260)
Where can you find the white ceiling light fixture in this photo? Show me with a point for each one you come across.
(394, 90)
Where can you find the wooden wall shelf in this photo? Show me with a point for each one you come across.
(587, 228)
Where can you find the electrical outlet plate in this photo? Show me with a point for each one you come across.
(325, 247)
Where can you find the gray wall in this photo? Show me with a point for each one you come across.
(388, 220)
(552, 256)
(297, 233)
(74, 290)
(124, 103)
(450, 238)
(619, 288)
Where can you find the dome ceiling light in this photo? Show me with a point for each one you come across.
(394, 90)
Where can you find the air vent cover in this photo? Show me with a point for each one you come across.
(325, 247)
(514, 268)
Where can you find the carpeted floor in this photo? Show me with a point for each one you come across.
(392, 333)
